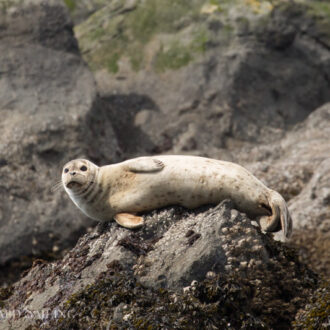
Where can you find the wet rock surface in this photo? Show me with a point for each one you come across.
(184, 268)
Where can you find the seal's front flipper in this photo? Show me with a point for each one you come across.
(145, 164)
(128, 220)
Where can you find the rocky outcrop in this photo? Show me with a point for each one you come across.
(250, 88)
(298, 167)
(209, 76)
(198, 79)
(204, 267)
(50, 113)
(244, 81)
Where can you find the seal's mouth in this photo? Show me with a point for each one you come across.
(73, 184)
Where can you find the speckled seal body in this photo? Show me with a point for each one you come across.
(147, 183)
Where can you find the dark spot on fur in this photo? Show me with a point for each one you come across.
(189, 233)
(193, 238)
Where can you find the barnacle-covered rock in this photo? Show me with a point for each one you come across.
(180, 270)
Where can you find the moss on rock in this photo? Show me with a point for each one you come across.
(165, 35)
(130, 29)
(316, 314)
(173, 58)
(158, 35)
(319, 11)
(320, 8)
(71, 4)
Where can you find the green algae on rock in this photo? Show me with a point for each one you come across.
(125, 28)
(166, 35)
(163, 34)
(71, 4)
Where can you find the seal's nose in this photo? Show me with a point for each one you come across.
(73, 173)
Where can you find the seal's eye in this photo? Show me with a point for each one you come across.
(66, 170)
(83, 168)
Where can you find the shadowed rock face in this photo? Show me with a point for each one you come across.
(211, 262)
(49, 114)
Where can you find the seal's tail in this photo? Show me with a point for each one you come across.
(280, 217)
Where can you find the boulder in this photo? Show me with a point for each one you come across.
(298, 167)
(50, 113)
(205, 268)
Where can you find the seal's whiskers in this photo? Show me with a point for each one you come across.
(57, 186)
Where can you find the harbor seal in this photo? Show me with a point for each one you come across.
(121, 191)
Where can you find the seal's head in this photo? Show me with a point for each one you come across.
(77, 174)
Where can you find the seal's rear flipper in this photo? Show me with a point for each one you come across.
(128, 220)
(280, 217)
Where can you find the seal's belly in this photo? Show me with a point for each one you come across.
(193, 183)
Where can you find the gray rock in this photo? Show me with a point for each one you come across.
(176, 250)
(81, 9)
(311, 206)
(214, 240)
(210, 78)
(50, 113)
(238, 89)
(298, 167)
